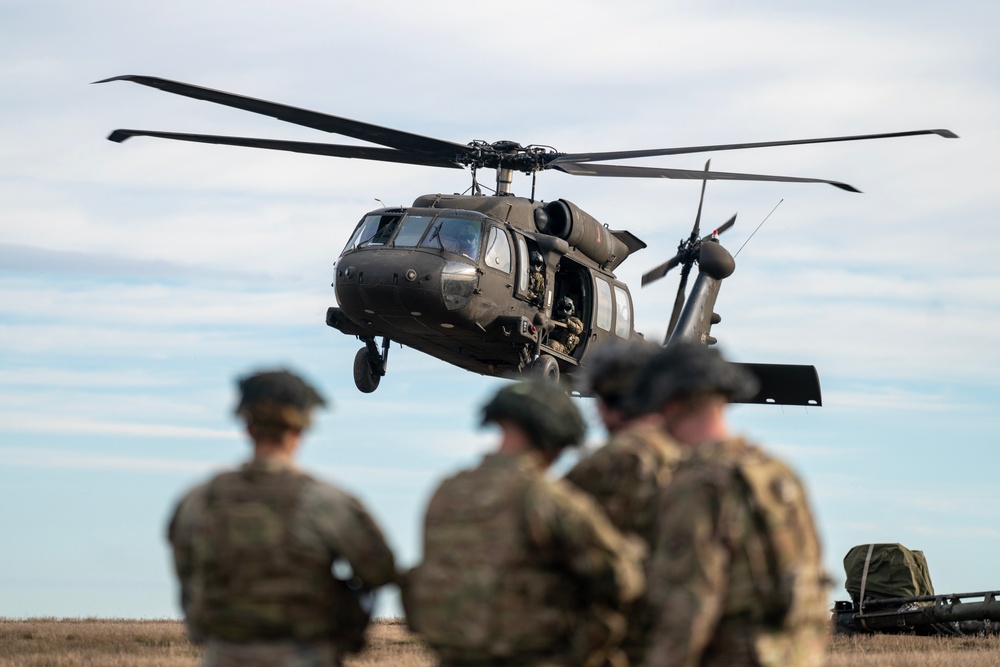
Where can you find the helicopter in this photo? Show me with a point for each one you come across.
(499, 284)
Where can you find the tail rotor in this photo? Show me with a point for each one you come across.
(687, 255)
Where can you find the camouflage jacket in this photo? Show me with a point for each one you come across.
(625, 476)
(253, 551)
(736, 575)
(515, 564)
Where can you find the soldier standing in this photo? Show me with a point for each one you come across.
(517, 569)
(254, 549)
(735, 577)
(626, 475)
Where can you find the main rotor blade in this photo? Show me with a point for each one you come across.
(333, 150)
(624, 171)
(621, 155)
(655, 274)
(376, 134)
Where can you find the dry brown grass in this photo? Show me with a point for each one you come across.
(49, 642)
(93, 642)
(911, 651)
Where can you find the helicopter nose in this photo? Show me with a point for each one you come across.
(404, 289)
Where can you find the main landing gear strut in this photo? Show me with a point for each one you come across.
(370, 364)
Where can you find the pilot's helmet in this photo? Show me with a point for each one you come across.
(277, 400)
(685, 369)
(565, 306)
(467, 233)
(536, 258)
(544, 411)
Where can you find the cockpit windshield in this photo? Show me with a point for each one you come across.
(461, 236)
(458, 235)
(373, 230)
(411, 230)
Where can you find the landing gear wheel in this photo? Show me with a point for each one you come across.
(546, 368)
(364, 379)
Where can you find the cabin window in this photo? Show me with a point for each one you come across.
(604, 305)
(623, 321)
(457, 235)
(373, 230)
(498, 250)
(411, 229)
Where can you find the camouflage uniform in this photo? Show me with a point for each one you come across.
(254, 549)
(736, 572)
(565, 339)
(625, 477)
(536, 279)
(518, 569)
(512, 562)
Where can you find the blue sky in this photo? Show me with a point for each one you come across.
(137, 280)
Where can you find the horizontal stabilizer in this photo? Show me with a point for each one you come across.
(784, 384)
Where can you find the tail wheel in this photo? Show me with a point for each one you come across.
(546, 367)
(364, 379)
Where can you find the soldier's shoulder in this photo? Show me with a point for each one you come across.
(197, 495)
(713, 465)
(561, 496)
(321, 496)
(187, 510)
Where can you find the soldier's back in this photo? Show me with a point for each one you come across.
(736, 576)
(509, 563)
(254, 549)
(626, 475)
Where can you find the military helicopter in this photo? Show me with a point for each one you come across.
(499, 284)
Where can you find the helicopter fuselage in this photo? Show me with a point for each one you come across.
(451, 276)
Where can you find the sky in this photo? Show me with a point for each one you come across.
(137, 281)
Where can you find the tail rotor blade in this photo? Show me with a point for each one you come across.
(721, 228)
(678, 303)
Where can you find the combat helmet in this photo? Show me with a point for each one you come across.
(686, 369)
(536, 258)
(565, 306)
(612, 369)
(277, 400)
(547, 415)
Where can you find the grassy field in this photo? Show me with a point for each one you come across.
(48, 642)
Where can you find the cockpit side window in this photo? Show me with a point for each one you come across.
(498, 250)
(373, 230)
(411, 229)
(457, 235)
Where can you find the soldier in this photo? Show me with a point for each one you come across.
(626, 475)
(517, 569)
(735, 576)
(254, 548)
(566, 337)
(536, 279)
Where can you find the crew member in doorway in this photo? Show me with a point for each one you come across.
(566, 335)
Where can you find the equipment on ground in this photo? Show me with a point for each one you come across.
(891, 592)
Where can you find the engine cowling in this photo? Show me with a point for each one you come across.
(583, 232)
